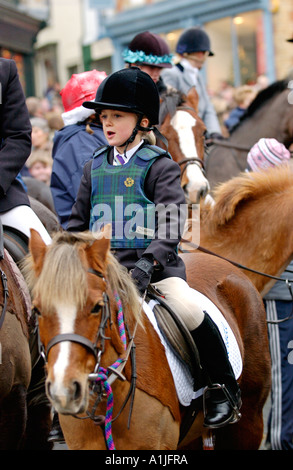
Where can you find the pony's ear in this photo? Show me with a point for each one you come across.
(99, 250)
(37, 249)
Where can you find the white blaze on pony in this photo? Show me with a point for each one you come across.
(198, 185)
(57, 388)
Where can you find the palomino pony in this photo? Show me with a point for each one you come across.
(269, 115)
(185, 133)
(89, 316)
(15, 359)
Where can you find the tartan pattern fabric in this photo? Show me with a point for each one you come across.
(118, 198)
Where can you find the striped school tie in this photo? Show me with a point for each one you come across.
(120, 159)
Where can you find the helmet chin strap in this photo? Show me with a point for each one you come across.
(133, 135)
(137, 128)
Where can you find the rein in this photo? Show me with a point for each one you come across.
(226, 143)
(241, 266)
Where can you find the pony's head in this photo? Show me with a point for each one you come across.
(73, 281)
(185, 132)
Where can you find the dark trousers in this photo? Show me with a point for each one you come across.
(280, 423)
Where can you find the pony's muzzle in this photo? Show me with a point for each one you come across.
(69, 399)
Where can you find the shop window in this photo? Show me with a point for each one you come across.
(238, 44)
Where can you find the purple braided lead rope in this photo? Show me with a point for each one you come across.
(103, 376)
(120, 319)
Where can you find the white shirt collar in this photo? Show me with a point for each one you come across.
(192, 71)
(129, 153)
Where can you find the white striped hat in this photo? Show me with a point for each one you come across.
(267, 153)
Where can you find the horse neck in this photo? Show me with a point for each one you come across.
(268, 121)
(268, 246)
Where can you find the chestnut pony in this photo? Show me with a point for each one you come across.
(185, 133)
(78, 290)
(15, 359)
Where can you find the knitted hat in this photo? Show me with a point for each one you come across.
(267, 153)
(81, 87)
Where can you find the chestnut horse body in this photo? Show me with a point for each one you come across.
(75, 282)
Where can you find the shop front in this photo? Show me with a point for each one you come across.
(17, 35)
(241, 34)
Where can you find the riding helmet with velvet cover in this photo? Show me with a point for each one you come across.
(130, 90)
(194, 39)
(148, 49)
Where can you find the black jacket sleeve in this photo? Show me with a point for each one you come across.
(79, 220)
(15, 127)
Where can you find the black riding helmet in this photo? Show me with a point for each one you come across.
(128, 90)
(194, 39)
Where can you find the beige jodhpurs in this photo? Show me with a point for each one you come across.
(182, 299)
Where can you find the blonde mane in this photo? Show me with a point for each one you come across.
(247, 186)
(63, 277)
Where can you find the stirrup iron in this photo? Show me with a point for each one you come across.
(236, 413)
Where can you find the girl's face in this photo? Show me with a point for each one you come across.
(153, 71)
(118, 126)
(197, 59)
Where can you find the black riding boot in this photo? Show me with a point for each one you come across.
(56, 434)
(222, 398)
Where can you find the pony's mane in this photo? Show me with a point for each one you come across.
(63, 277)
(170, 100)
(261, 99)
(228, 196)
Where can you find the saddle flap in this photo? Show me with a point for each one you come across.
(175, 332)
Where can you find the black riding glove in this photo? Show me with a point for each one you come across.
(142, 274)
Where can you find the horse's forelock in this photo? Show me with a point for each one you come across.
(170, 100)
(62, 279)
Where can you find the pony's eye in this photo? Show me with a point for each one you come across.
(96, 308)
(36, 311)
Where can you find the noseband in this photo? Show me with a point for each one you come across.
(191, 161)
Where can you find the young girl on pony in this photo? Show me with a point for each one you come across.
(130, 173)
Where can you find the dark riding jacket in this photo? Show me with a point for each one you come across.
(15, 137)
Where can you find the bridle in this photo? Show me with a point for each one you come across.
(191, 161)
(97, 349)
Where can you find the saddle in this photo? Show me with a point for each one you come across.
(15, 242)
(179, 339)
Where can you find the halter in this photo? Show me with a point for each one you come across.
(102, 379)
